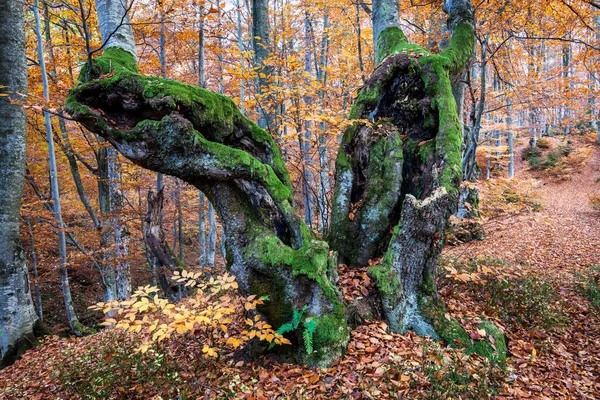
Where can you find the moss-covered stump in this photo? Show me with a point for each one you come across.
(202, 138)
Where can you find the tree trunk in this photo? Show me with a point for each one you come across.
(62, 243)
(237, 165)
(400, 172)
(261, 43)
(509, 140)
(154, 237)
(17, 315)
(108, 279)
(394, 175)
(120, 234)
(38, 293)
(211, 243)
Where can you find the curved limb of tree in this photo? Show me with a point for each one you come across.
(202, 138)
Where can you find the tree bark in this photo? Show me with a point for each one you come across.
(17, 314)
(202, 138)
(399, 171)
(154, 237)
(261, 43)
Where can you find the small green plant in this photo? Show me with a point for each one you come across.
(528, 300)
(533, 155)
(455, 375)
(590, 285)
(307, 334)
(112, 371)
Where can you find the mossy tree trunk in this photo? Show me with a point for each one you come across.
(399, 166)
(202, 138)
(398, 169)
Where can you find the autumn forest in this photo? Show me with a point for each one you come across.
(299, 199)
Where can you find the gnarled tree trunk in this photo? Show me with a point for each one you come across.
(399, 166)
(398, 169)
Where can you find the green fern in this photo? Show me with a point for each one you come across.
(297, 316)
(309, 329)
(293, 325)
(285, 328)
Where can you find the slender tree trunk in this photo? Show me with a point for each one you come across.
(324, 181)
(567, 54)
(202, 242)
(120, 234)
(154, 237)
(240, 43)
(211, 244)
(62, 244)
(511, 149)
(361, 64)
(17, 314)
(305, 141)
(201, 230)
(108, 279)
(261, 43)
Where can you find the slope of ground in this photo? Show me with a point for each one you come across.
(556, 244)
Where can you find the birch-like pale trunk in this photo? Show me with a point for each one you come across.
(566, 63)
(324, 167)
(120, 234)
(240, 44)
(261, 43)
(116, 32)
(305, 139)
(62, 243)
(115, 27)
(34, 270)
(17, 314)
(510, 140)
(201, 197)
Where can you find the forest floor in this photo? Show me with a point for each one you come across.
(542, 240)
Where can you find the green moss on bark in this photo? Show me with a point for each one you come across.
(113, 60)
(312, 261)
(392, 40)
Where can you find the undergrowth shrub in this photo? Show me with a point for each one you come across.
(454, 375)
(589, 285)
(594, 201)
(510, 196)
(544, 143)
(558, 162)
(514, 295)
(114, 370)
(527, 301)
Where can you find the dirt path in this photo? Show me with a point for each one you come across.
(556, 244)
(562, 238)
